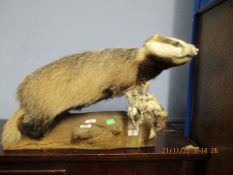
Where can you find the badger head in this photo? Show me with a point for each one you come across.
(171, 51)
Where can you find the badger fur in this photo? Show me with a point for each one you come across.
(85, 78)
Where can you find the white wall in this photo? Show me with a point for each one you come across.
(36, 32)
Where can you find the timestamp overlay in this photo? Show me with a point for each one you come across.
(195, 150)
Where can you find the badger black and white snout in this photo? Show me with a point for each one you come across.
(170, 50)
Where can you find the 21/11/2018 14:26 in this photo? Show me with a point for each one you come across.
(184, 150)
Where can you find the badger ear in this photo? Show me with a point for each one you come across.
(163, 39)
(149, 39)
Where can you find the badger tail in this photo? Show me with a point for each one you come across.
(11, 134)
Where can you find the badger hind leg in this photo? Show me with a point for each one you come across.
(33, 127)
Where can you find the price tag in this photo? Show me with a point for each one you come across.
(133, 132)
(85, 126)
(90, 120)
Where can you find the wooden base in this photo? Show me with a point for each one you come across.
(123, 161)
(98, 130)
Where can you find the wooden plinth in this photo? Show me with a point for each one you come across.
(124, 161)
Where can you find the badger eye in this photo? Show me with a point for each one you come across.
(176, 44)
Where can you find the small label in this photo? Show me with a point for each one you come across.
(133, 132)
(85, 126)
(110, 121)
(90, 120)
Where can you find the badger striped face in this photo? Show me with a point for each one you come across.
(170, 50)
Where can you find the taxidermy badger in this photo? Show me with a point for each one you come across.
(85, 78)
